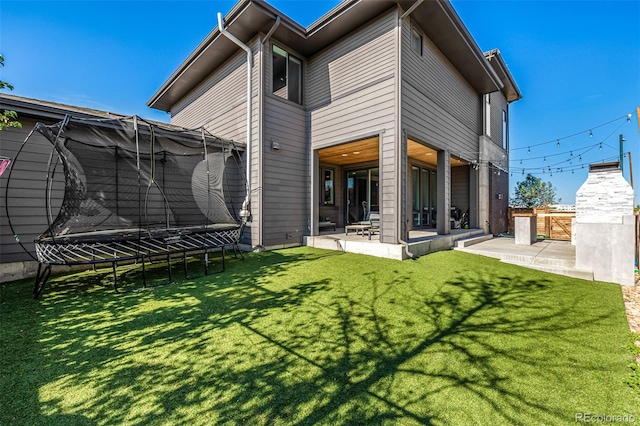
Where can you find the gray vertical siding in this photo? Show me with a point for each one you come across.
(438, 105)
(219, 104)
(498, 104)
(460, 187)
(351, 93)
(285, 179)
(26, 201)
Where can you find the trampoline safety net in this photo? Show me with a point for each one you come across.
(135, 189)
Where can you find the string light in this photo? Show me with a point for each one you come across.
(558, 143)
(590, 134)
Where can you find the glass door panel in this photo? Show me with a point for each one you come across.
(362, 194)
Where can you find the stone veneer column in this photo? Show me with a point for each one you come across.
(483, 183)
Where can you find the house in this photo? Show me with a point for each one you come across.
(385, 106)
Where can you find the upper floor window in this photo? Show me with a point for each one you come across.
(487, 115)
(505, 130)
(287, 75)
(416, 41)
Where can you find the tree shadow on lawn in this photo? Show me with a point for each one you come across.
(267, 345)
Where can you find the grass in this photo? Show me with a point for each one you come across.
(304, 336)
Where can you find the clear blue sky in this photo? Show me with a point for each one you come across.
(577, 64)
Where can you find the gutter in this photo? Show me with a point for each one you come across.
(244, 212)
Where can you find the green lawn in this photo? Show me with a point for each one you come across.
(305, 336)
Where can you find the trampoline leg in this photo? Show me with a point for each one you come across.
(169, 266)
(184, 264)
(115, 277)
(144, 275)
(206, 262)
(41, 279)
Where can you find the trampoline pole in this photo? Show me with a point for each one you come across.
(169, 266)
(115, 276)
(206, 262)
(184, 263)
(144, 275)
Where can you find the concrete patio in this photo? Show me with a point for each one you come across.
(420, 242)
(558, 257)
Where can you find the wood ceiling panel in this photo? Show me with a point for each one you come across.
(350, 153)
(367, 150)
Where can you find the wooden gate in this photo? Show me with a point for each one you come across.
(550, 224)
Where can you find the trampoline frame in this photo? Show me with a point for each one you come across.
(133, 244)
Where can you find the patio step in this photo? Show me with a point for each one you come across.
(466, 242)
(559, 270)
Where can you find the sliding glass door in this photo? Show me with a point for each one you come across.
(362, 193)
(424, 189)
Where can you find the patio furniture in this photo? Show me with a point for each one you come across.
(356, 227)
(374, 220)
(326, 224)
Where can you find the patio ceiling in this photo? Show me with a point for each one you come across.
(367, 150)
(350, 153)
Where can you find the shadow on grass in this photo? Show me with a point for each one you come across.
(274, 341)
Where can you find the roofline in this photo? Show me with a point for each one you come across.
(510, 82)
(41, 109)
(482, 75)
(46, 109)
(471, 42)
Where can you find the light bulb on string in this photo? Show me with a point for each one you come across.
(528, 150)
(590, 133)
(600, 146)
(628, 118)
(580, 158)
(521, 162)
(545, 159)
(558, 143)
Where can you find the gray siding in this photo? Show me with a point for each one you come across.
(27, 189)
(285, 175)
(498, 104)
(351, 93)
(219, 104)
(460, 187)
(438, 105)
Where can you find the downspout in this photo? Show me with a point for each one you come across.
(244, 212)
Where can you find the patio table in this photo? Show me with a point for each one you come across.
(356, 227)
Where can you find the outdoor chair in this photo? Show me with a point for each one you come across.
(374, 224)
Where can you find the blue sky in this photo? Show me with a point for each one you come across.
(577, 64)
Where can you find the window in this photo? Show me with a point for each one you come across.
(328, 191)
(416, 41)
(487, 115)
(287, 75)
(505, 130)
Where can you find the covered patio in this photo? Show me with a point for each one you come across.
(420, 242)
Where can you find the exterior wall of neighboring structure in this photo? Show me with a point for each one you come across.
(26, 198)
(219, 104)
(351, 94)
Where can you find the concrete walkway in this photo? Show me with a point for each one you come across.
(558, 257)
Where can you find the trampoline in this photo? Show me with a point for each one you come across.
(135, 190)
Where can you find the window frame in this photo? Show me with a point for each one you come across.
(324, 200)
(294, 95)
(416, 36)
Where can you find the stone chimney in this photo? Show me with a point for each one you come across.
(605, 225)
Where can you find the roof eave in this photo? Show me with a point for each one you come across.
(511, 89)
